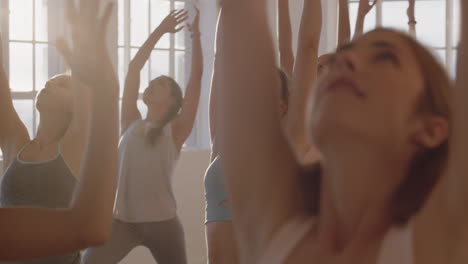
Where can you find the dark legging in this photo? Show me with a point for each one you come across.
(164, 239)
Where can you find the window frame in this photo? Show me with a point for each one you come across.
(450, 47)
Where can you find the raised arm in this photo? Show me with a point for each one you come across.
(344, 28)
(305, 73)
(13, 133)
(458, 167)
(74, 140)
(364, 9)
(285, 37)
(255, 152)
(183, 124)
(28, 233)
(411, 18)
(214, 97)
(130, 110)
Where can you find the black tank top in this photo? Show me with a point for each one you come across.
(47, 184)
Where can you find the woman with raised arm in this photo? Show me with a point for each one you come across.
(221, 242)
(220, 239)
(145, 208)
(31, 231)
(363, 10)
(381, 117)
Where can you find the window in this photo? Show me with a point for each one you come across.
(438, 23)
(136, 20)
(30, 60)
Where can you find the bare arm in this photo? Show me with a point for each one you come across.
(305, 72)
(285, 37)
(29, 233)
(364, 9)
(13, 133)
(75, 138)
(250, 134)
(344, 28)
(458, 180)
(184, 123)
(411, 18)
(214, 97)
(130, 110)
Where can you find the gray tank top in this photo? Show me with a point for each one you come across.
(47, 184)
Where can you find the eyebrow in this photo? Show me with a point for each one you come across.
(384, 44)
(344, 47)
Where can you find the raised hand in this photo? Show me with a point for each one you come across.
(88, 58)
(174, 19)
(410, 11)
(365, 7)
(194, 28)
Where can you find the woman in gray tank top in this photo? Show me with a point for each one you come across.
(145, 210)
(41, 215)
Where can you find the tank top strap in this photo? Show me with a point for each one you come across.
(57, 155)
(287, 239)
(18, 155)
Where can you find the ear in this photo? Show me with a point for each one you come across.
(434, 132)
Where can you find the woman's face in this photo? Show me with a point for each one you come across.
(369, 93)
(56, 95)
(159, 94)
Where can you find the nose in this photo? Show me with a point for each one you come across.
(347, 61)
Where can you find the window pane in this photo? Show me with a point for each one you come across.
(42, 67)
(41, 20)
(159, 63)
(440, 55)
(143, 74)
(456, 22)
(394, 15)
(159, 10)
(21, 68)
(180, 36)
(369, 23)
(143, 109)
(121, 69)
(431, 22)
(24, 108)
(21, 13)
(120, 7)
(139, 22)
(180, 69)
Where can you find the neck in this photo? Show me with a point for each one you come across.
(357, 185)
(155, 115)
(49, 131)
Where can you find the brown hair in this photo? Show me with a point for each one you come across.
(176, 92)
(284, 86)
(428, 165)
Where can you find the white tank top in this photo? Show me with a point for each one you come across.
(144, 192)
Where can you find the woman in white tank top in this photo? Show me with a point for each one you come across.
(145, 208)
(382, 116)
